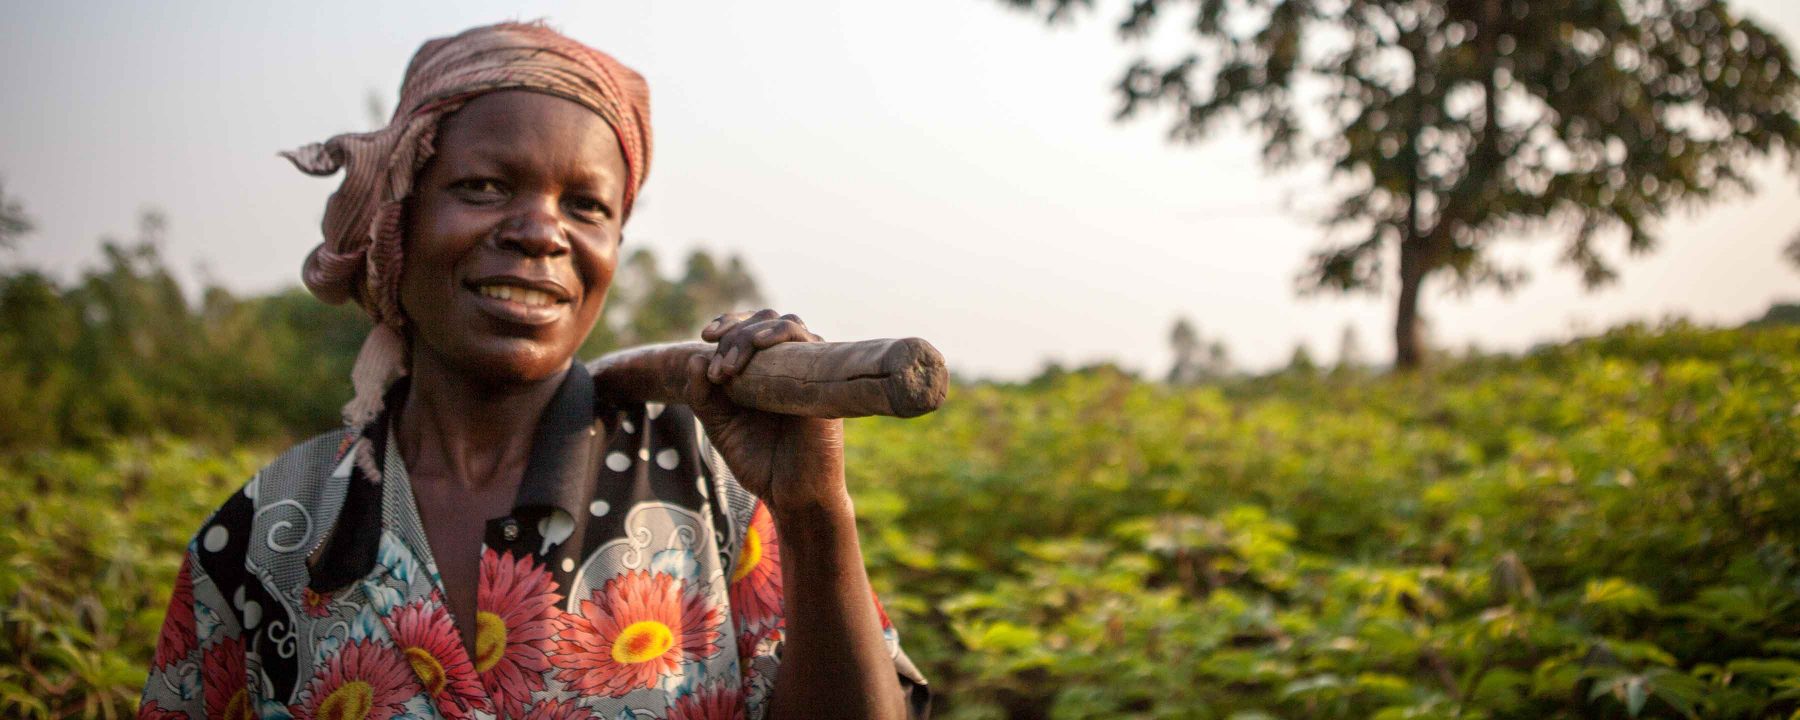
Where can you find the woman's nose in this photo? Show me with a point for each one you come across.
(533, 231)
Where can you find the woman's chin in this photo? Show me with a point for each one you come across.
(509, 361)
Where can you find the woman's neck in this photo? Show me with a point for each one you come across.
(462, 430)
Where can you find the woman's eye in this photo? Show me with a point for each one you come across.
(589, 206)
(481, 188)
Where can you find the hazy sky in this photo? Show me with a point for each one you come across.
(941, 168)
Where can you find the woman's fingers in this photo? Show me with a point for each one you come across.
(787, 328)
(766, 335)
(723, 323)
(734, 345)
(740, 335)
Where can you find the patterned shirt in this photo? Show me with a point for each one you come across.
(633, 579)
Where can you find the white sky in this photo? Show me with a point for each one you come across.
(940, 168)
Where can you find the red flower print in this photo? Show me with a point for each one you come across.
(178, 633)
(517, 599)
(153, 711)
(227, 692)
(881, 612)
(427, 637)
(634, 630)
(316, 604)
(750, 637)
(557, 710)
(756, 580)
(750, 647)
(363, 681)
(714, 702)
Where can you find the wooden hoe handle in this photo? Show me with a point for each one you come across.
(897, 378)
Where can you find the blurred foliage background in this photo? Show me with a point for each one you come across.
(123, 351)
(1602, 528)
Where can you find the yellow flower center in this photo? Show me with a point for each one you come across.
(642, 641)
(238, 707)
(351, 701)
(751, 555)
(490, 640)
(431, 672)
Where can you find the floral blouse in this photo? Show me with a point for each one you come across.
(633, 579)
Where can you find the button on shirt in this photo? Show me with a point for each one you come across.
(634, 578)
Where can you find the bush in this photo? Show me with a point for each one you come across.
(1597, 529)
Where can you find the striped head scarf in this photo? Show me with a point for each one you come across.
(360, 257)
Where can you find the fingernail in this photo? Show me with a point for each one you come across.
(731, 357)
(764, 334)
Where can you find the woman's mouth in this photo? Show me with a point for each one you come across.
(526, 296)
(519, 304)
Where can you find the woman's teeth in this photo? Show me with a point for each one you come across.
(525, 296)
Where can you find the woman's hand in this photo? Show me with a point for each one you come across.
(835, 662)
(795, 464)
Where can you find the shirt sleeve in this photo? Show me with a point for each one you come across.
(198, 669)
(756, 609)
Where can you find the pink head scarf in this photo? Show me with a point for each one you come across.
(360, 257)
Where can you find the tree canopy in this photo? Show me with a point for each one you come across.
(1449, 124)
(126, 350)
(14, 223)
(1196, 360)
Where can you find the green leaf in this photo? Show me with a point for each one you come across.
(1635, 695)
(1765, 667)
(1785, 646)
(1005, 637)
(1618, 595)
(1312, 685)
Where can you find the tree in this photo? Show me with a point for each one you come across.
(643, 306)
(1778, 314)
(1350, 356)
(1301, 362)
(1447, 124)
(14, 223)
(1218, 360)
(1195, 359)
(1184, 340)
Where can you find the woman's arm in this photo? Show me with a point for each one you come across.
(834, 660)
(185, 674)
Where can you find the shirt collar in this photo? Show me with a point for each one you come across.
(559, 475)
(560, 470)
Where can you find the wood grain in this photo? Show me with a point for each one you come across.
(903, 377)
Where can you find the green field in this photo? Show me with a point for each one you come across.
(1600, 529)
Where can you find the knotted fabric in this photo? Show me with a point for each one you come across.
(361, 255)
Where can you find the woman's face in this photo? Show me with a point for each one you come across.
(512, 236)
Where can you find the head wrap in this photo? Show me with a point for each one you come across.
(360, 257)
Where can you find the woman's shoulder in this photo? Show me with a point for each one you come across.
(286, 505)
(296, 474)
(301, 476)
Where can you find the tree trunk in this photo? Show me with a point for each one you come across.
(1414, 244)
(1409, 351)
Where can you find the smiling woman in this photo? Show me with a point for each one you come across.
(513, 235)
(486, 538)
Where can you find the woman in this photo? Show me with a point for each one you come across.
(485, 538)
